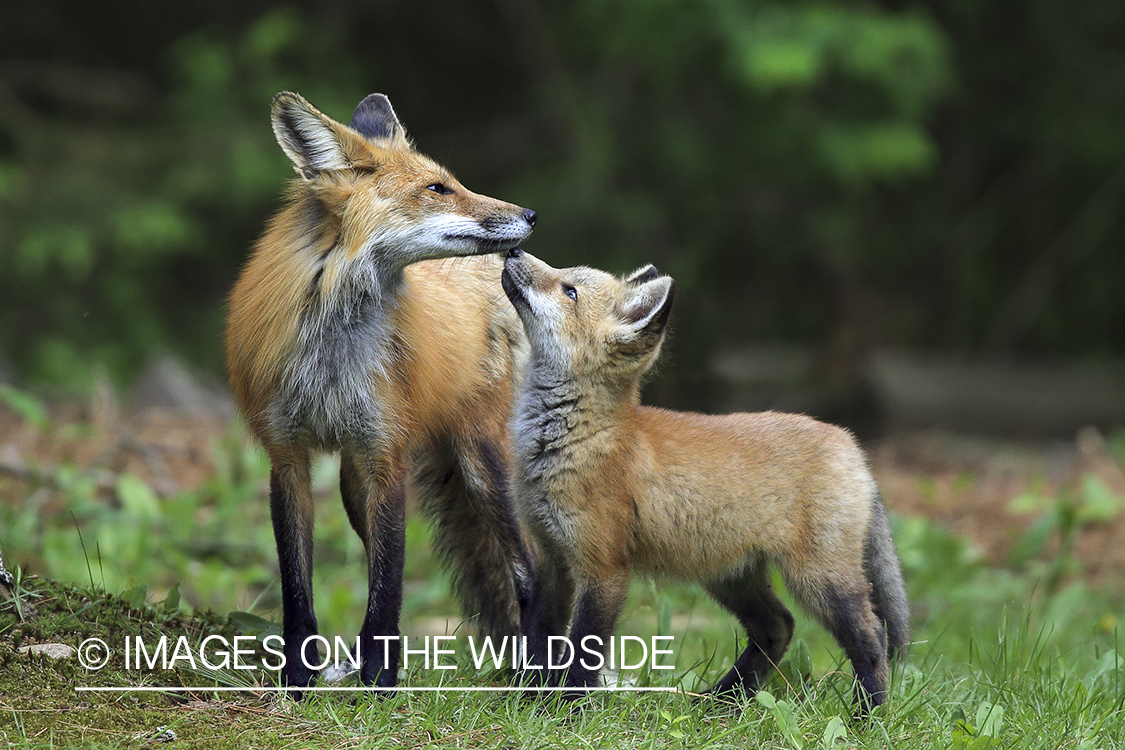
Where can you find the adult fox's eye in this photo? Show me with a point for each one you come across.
(440, 189)
(570, 292)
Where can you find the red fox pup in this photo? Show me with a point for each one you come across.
(346, 334)
(609, 487)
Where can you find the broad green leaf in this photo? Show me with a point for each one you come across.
(251, 624)
(135, 596)
(1099, 502)
(172, 601)
(835, 733)
(990, 719)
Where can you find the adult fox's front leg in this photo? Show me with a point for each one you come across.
(291, 510)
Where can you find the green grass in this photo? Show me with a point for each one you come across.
(1026, 656)
(1017, 688)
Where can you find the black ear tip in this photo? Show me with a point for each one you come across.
(373, 105)
(374, 117)
(374, 101)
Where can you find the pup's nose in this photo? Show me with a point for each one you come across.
(515, 252)
(530, 216)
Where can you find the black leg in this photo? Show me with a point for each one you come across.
(291, 511)
(548, 615)
(848, 613)
(861, 634)
(596, 612)
(768, 625)
(376, 507)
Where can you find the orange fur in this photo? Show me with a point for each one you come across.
(359, 325)
(610, 487)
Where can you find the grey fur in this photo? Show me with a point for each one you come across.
(888, 593)
(326, 395)
(463, 489)
(547, 411)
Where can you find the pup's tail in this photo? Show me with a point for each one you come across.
(888, 596)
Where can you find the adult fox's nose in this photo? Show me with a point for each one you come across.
(530, 216)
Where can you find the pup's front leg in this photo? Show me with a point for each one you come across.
(547, 615)
(600, 602)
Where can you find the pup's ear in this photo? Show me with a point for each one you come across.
(376, 121)
(648, 310)
(641, 275)
(312, 140)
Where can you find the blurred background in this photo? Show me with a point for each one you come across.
(888, 214)
(904, 216)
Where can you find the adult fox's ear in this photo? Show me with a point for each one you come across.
(641, 275)
(312, 140)
(376, 121)
(648, 310)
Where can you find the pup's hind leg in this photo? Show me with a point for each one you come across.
(855, 626)
(845, 610)
(768, 625)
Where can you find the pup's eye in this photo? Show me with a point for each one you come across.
(440, 189)
(570, 292)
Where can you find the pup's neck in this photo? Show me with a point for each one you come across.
(558, 417)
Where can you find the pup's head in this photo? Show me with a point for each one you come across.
(383, 193)
(587, 323)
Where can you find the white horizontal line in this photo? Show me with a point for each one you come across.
(354, 689)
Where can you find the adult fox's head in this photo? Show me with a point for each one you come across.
(381, 197)
(586, 323)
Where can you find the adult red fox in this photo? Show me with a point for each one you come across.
(347, 333)
(609, 487)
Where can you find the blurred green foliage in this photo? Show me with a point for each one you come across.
(212, 547)
(841, 174)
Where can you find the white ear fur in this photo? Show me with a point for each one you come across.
(644, 273)
(650, 306)
(307, 136)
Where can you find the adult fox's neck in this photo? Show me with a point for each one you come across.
(343, 280)
(315, 324)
